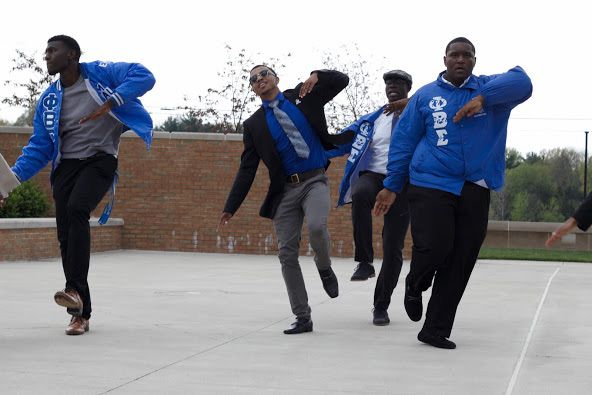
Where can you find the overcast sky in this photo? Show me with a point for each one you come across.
(182, 43)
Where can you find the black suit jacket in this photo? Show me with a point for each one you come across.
(259, 144)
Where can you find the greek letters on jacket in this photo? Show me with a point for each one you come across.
(356, 151)
(51, 114)
(436, 152)
(123, 82)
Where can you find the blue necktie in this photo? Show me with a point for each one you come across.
(291, 130)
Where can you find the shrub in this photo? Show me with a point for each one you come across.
(26, 201)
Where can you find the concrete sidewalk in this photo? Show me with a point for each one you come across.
(182, 323)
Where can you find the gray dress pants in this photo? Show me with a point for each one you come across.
(308, 199)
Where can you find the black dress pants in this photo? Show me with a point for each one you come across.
(396, 222)
(448, 231)
(78, 187)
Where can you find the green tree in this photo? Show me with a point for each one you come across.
(28, 84)
(498, 208)
(545, 186)
(171, 124)
(186, 123)
(192, 120)
(513, 158)
(564, 165)
(533, 157)
(531, 193)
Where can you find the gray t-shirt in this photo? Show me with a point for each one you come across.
(84, 140)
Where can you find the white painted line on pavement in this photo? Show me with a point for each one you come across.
(529, 337)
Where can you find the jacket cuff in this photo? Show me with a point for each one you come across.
(116, 99)
(392, 184)
(13, 169)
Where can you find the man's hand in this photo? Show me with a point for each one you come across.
(307, 86)
(384, 201)
(561, 231)
(396, 107)
(2, 198)
(471, 108)
(99, 112)
(224, 218)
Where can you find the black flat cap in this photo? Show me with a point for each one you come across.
(400, 74)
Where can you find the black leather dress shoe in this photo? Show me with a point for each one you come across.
(330, 283)
(435, 340)
(363, 272)
(381, 317)
(300, 326)
(413, 304)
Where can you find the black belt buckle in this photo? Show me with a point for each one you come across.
(295, 178)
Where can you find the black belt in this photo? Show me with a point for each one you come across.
(97, 155)
(301, 177)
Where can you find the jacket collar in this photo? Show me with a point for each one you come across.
(470, 82)
(280, 97)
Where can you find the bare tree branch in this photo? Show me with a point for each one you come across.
(29, 82)
(358, 97)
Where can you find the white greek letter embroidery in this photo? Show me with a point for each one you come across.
(437, 104)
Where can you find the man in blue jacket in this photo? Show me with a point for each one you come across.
(364, 173)
(77, 126)
(450, 143)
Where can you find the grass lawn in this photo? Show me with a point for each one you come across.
(535, 255)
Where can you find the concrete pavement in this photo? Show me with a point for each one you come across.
(183, 323)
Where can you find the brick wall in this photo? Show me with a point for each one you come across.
(35, 238)
(171, 197)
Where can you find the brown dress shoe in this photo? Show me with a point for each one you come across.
(78, 326)
(69, 299)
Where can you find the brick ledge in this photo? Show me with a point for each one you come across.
(32, 223)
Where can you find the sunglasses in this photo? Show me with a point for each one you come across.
(263, 73)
